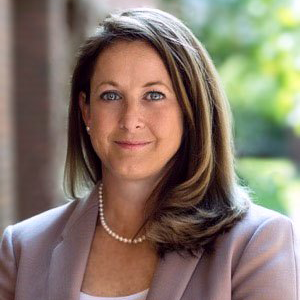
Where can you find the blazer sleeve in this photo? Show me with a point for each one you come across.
(268, 268)
(8, 269)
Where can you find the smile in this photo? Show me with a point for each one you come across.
(132, 145)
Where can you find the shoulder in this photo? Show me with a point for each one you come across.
(265, 223)
(258, 258)
(259, 226)
(261, 234)
(268, 256)
(47, 224)
(257, 218)
(265, 252)
(48, 227)
(29, 239)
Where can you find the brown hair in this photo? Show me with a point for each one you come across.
(199, 197)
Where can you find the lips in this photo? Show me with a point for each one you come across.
(132, 144)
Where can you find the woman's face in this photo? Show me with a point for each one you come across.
(135, 120)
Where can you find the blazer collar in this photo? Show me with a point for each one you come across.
(69, 259)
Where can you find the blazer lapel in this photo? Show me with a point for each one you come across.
(69, 257)
(172, 276)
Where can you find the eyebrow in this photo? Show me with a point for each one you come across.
(151, 83)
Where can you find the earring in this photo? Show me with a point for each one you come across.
(88, 129)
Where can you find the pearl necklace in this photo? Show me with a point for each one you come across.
(108, 230)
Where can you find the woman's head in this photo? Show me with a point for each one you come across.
(193, 79)
(201, 175)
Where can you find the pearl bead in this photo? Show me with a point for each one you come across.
(108, 230)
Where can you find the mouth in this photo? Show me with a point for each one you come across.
(132, 144)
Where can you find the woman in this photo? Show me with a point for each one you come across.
(149, 132)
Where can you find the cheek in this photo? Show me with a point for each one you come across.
(168, 123)
(102, 121)
(101, 127)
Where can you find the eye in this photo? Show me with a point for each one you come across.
(110, 96)
(155, 96)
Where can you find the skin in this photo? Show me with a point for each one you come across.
(125, 107)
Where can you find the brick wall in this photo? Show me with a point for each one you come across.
(33, 104)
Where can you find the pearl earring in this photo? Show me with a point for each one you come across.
(88, 129)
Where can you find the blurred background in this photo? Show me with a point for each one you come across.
(253, 43)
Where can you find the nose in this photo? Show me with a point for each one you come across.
(131, 117)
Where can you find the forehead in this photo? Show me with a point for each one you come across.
(130, 59)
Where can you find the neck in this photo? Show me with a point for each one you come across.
(124, 203)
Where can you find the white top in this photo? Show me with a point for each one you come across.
(138, 296)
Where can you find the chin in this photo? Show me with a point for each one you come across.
(136, 174)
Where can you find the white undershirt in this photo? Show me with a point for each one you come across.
(138, 296)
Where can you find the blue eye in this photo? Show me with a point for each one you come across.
(156, 95)
(110, 96)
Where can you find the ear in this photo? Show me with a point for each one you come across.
(85, 108)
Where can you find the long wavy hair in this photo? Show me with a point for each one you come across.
(199, 198)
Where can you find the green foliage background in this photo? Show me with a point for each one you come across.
(255, 46)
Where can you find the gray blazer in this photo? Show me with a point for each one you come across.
(44, 257)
